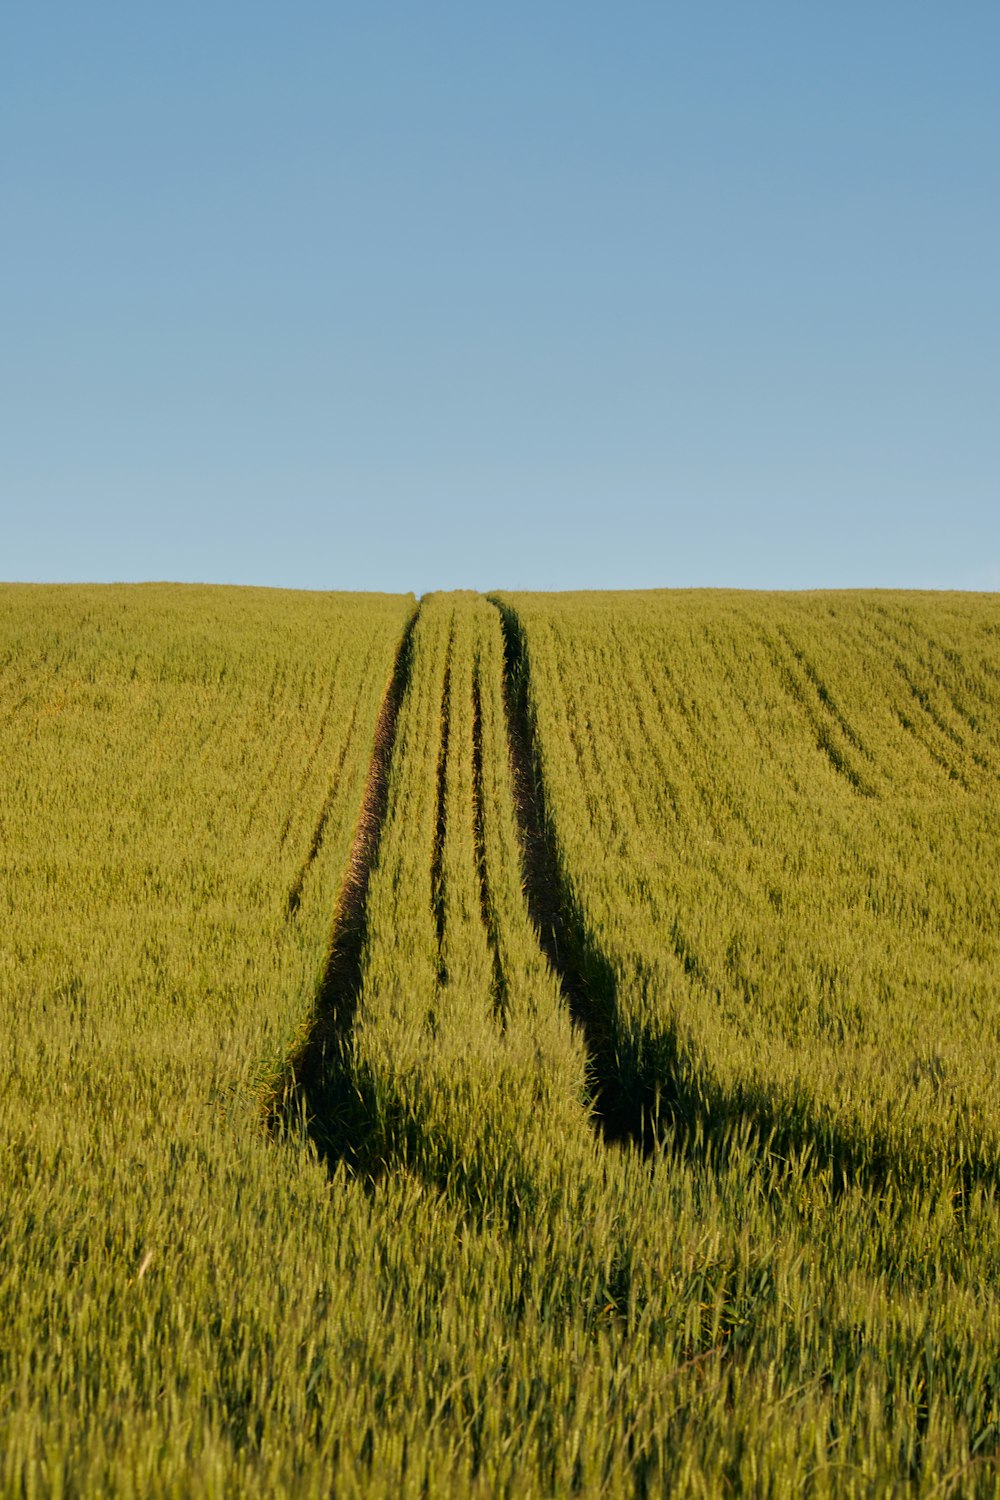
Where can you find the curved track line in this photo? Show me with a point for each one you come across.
(319, 1088)
(441, 821)
(500, 996)
(585, 976)
(648, 1086)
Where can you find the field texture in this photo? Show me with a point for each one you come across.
(503, 1046)
(777, 836)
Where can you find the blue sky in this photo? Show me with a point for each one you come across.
(533, 295)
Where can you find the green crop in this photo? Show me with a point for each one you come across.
(777, 821)
(517, 1047)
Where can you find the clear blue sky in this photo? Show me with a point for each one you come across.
(384, 295)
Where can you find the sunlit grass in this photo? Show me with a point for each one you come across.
(450, 1281)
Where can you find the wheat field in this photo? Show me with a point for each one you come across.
(514, 1045)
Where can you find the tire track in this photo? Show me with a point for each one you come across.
(500, 992)
(441, 823)
(650, 1087)
(319, 1090)
(586, 977)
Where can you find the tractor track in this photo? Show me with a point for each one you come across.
(586, 978)
(319, 1089)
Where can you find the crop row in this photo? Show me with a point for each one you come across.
(776, 821)
(308, 863)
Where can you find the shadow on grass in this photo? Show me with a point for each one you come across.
(649, 1086)
(322, 1090)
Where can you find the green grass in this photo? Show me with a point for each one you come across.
(281, 1222)
(777, 820)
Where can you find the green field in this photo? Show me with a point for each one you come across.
(520, 1045)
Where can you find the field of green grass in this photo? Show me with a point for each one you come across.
(521, 1045)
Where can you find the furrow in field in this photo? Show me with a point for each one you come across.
(825, 696)
(322, 730)
(827, 728)
(443, 1049)
(441, 824)
(489, 912)
(586, 979)
(318, 1074)
(769, 989)
(498, 1304)
(941, 698)
(294, 899)
(914, 707)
